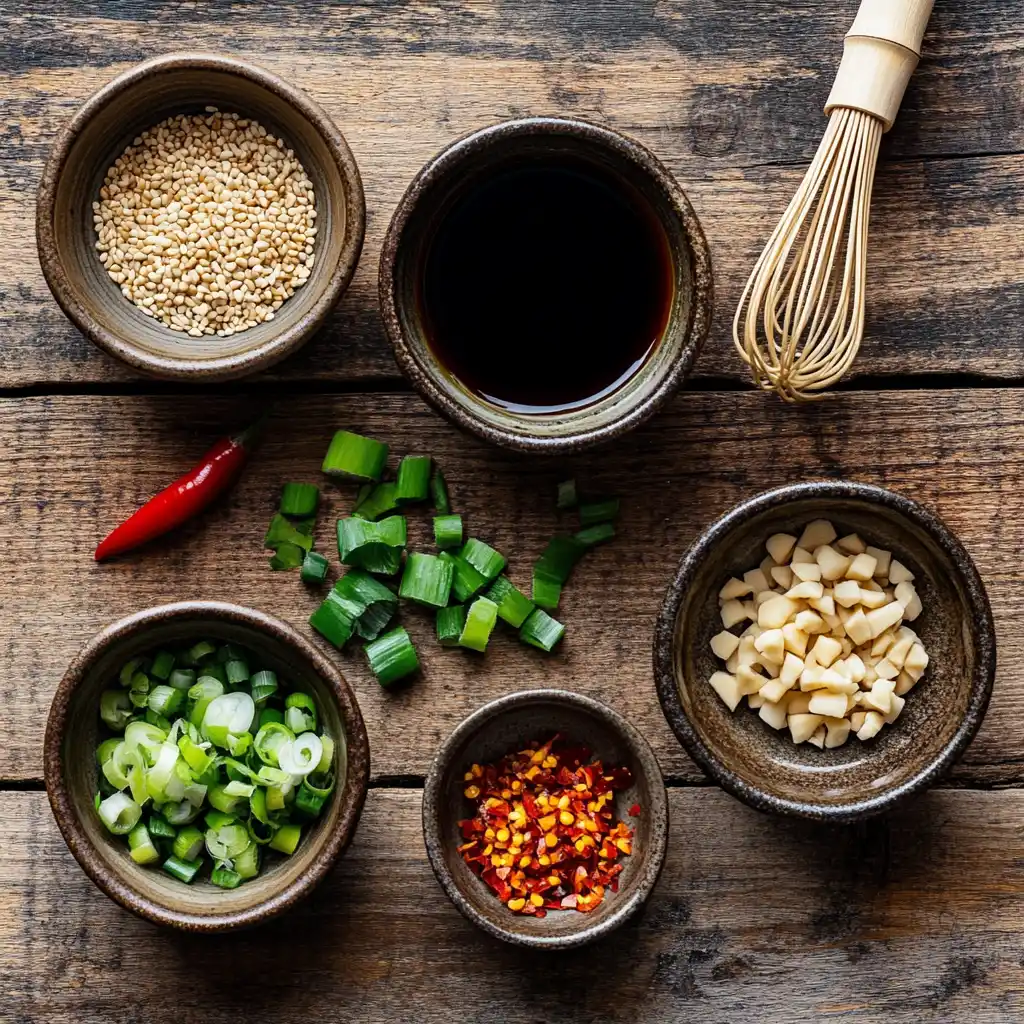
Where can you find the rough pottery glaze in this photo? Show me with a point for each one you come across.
(98, 133)
(69, 768)
(506, 724)
(942, 713)
(443, 180)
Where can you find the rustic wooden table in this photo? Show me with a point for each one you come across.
(915, 917)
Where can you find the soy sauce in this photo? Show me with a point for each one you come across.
(546, 285)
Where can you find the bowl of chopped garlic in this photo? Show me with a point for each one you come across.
(825, 650)
(198, 217)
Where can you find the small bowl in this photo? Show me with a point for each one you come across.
(763, 767)
(426, 202)
(99, 132)
(69, 768)
(507, 724)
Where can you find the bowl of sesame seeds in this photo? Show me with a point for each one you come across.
(198, 218)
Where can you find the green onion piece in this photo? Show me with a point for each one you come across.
(314, 568)
(140, 683)
(237, 672)
(300, 713)
(263, 685)
(235, 788)
(159, 720)
(106, 749)
(225, 878)
(594, 535)
(559, 558)
(120, 813)
(284, 531)
(231, 652)
(247, 863)
(413, 482)
(286, 839)
(333, 621)
(184, 870)
(427, 580)
(302, 755)
(448, 531)
(258, 805)
(214, 672)
(114, 773)
(260, 832)
(220, 800)
(239, 744)
(161, 828)
(375, 547)
(466, 581)
(309, 802)
(202, 694)
(163, 662)
(165, 700)
(439, 493)
(182, 678)
(268, 715)
(540, 630)
(180, 813)
(201, 651)
(449, 624)
(228, 715)
(143, 850)
(567, 497)
(480, 620)
(381, 499)
(371, 603)
(546, 592)
(299, 500)
(269, 741)
(353, 456)
(138, 700)
(277, 796)
(217, 819)
(594, 512)
(483, 558)
(115, 709)
(188, 844)
(128, 670)
(513, 605)
(392, 656)
(287, 556)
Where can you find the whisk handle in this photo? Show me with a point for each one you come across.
(881, 51)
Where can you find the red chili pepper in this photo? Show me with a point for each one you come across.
(186, 497)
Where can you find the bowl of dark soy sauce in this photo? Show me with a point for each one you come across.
(546, 284)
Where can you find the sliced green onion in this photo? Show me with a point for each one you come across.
(221, 800)
(302, 755)
(373, 546)
(546, 592)
(182, 678)
(413, 482)
(448, 531)
(120, 813)
(247, 863)
(372, 603)
(327, 758)
(115, 709)
(299, 500)
(480, 620)
(268, 715)
(106, 749)
(287, 556)
(353, 456)
(195, 756)
(427, 580)
(214, 672)
(483, 558)
(229, 714)
(165, 700)
(300, 712)
(143, 850)
(235, 788)
(269, 741)
(392, 656)
(284, 531)
(159, 720)
(567, 497)
(183, 870)
(263, 685)
(237, 672)
(277, 796)
(439, 493)
(114, 773)
(594, 535)
(216, 819)
(163, 662)
(201, 651)
(231, 652)
(128, 670)
(258, 805)
(180, 813)
(540, 630)
(161, 828)
(594, 512)
(202, 694)
(559, 558)
(309, 802)
(314, 568)
(225, 878)
(188, 844)
(333, 621)
(379, 500)
(513, 605)
(146, 738)
(286, 839)
(449, 624)
(466, 581)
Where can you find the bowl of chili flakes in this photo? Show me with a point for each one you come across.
(545, 819)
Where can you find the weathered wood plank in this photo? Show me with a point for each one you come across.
(754, 920)
(74, 466)
(722, 92)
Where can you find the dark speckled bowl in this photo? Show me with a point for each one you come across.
(69, 766)
(507, 724)
(425, 203)
(763, 767)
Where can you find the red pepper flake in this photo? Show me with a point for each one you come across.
(554, 844)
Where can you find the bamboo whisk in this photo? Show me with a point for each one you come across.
(800, 319)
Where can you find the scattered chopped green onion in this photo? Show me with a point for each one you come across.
(413, 481)
(286, 839)
(205, 690)
(466, 581)
(160, 828)
(308, 801)
(188, 844)
(184, 870)
(594, 512)
(314, 568)
(373, 546)
(546, 592)
(559, 558)
(513, 605)
(480, 620)
(128, 670)
(483, 558)
(143, 849)
(287, 556)
(427, 580)
(247, 863)
(596, 534)
(439, 492)
(120, 813)
(392, 657)
(165, 700)
(225, 878)
(448, 531)
(115, 709)
(567, 497)
(269, 741)
(237, 672)
(302, 755)
(182, 678)
(372, 604)
(449, 624)
(286, 531)
(106, 749)
(163, 662)
(541, 630)
(355, 457)
(201, 651)
(263, 685)
(299, 500)
(333, 622)
(300, 712)
(214, 671)
(380, 499)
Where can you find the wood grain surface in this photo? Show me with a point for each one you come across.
(727, 94)
(78, 465)
(753, 920)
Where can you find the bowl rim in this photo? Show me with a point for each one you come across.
(67, 818)
(433, 799)
(983, 635)
(440, 165)
(248, 360)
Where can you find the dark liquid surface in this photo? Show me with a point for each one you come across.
(546, 286)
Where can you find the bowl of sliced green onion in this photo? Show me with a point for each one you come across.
(205, 764)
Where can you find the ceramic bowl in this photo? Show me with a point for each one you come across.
(71, 773)
(443, 180)
(941, 715)
(99, 132)
(507, 724)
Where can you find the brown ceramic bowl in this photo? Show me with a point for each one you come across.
(71, 773)
(444, 180)
(507, 724)
(99, 132)
(857, 780)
